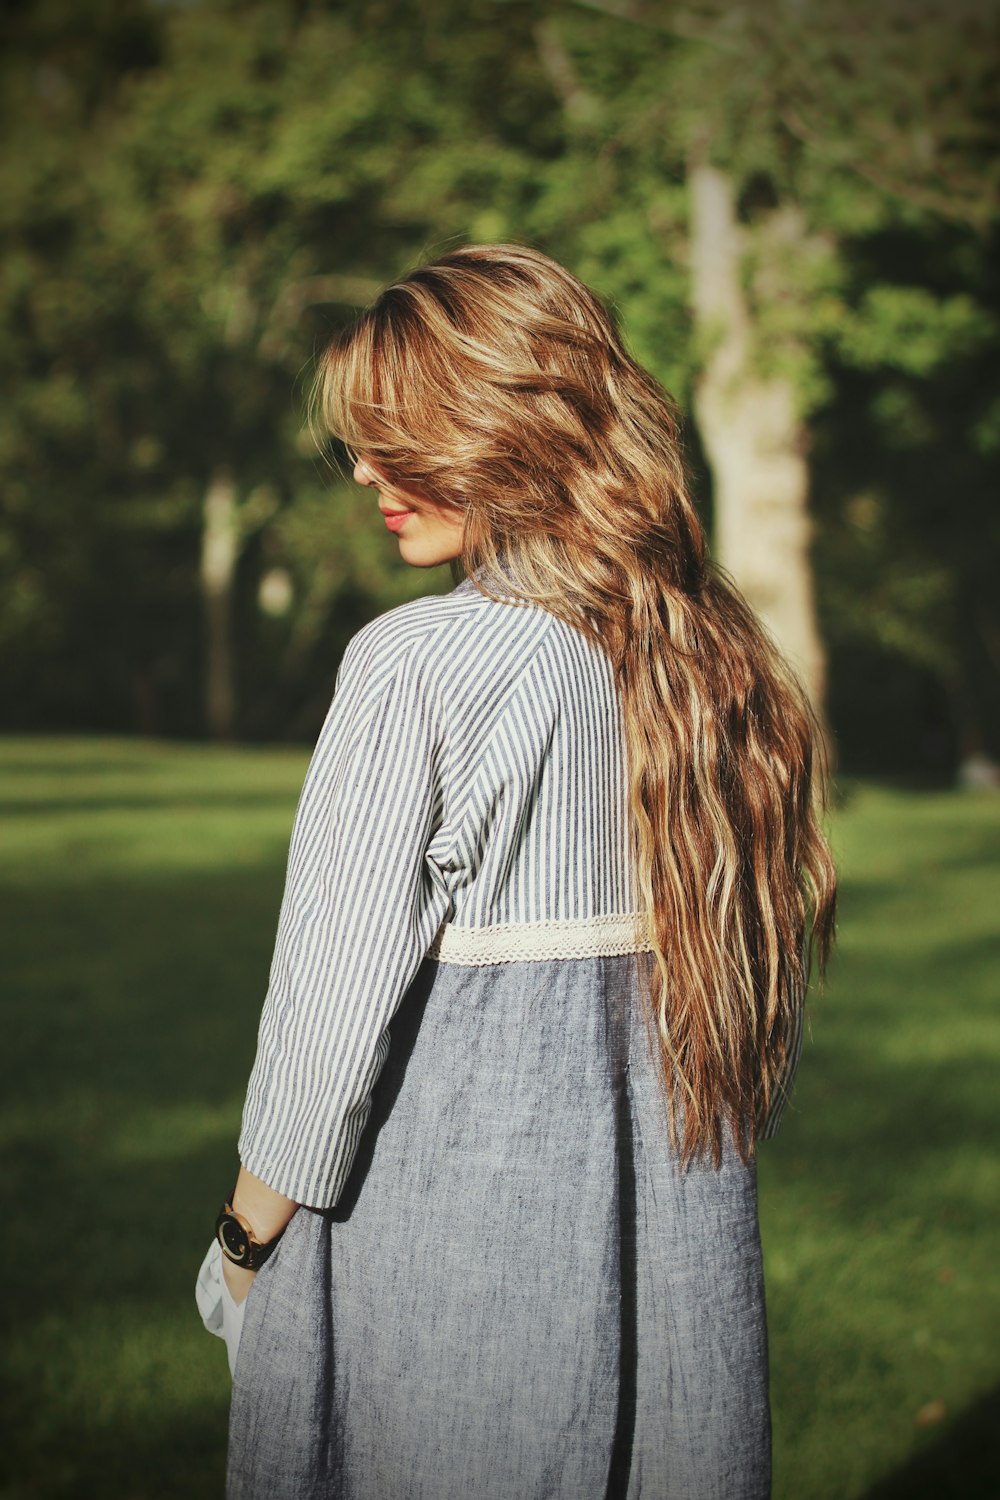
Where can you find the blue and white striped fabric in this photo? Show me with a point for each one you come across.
(467, 802)
(505, 1285)
(442, 810)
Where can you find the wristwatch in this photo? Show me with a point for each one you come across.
(238, 1241)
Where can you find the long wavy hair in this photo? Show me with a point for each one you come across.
(494, 381)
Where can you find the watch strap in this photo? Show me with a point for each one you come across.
(239, 1244)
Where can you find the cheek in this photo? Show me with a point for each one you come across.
(456, 529)
(444, 522)
(445, 533)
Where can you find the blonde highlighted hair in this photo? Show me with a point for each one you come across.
(494, 381)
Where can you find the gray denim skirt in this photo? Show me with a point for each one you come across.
(519, 1296)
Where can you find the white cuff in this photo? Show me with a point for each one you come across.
(219, 1313)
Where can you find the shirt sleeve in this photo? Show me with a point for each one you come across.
(361, 907)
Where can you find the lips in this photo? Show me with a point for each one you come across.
(394, 519)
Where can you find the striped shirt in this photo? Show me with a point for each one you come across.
(467, 802)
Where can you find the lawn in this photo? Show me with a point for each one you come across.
(140, 886)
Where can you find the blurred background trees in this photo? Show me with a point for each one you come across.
(792, 207)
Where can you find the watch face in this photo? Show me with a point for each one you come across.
(234, 1239)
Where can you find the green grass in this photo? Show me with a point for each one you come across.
(139, 887)
(879, 1198)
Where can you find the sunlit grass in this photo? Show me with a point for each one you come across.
(878, 1201)
(140, 888)
(140, 885)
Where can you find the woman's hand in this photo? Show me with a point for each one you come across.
(267, 1213)
(238, 1279)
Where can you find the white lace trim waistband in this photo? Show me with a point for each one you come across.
(527, 942)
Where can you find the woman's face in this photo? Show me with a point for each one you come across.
(428, 533)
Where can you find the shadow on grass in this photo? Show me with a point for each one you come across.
(880, 1099)
(962, 1463)
(162, 1457)
(154, 801)
(132, 1012)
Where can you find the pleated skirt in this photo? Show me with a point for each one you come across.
(519, 1296)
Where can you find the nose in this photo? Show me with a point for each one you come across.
(363, 473)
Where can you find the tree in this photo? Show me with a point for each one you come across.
(800, 131)
(225, 182)
(196, 195)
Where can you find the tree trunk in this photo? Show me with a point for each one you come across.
(753, 437)
(220, 547)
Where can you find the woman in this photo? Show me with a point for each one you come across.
(559, 830)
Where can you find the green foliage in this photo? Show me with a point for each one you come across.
(140, 885)
(910, 329)
(195, 195)
(905, 498)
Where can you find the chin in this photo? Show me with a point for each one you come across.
(420, 557)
